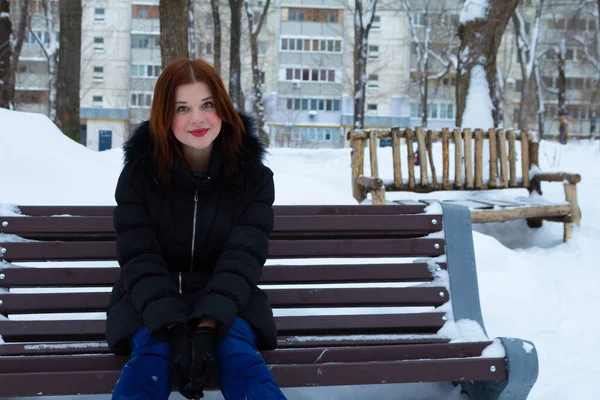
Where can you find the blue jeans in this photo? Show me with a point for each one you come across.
(243, 373)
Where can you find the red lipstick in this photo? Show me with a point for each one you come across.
(199, 132)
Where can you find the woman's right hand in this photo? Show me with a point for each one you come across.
(181, 354)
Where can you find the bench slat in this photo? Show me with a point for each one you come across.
(271, 274)
(279, 210)
(23, 303)
(283, 342)
(319, 355)
(101, 382)
(16, 330)
(41, 251)
(291, 224)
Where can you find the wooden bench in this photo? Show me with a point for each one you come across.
(423, 256)
(465, 167)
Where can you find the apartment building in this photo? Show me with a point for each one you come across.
(306, 52)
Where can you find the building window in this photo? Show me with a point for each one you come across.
(145, 41)
(373, 81)
(43, 36)
(371, 109)
(434, 111)
(307, 104)
(98, 74)
(144, 11)
(373, 51)
(262, 47)
(97, 101)
(376, 22)
(322, 15)
(99, 15)
(308, 74)
(311, 45)
(145, 71)
(98, 45)
(141, 99)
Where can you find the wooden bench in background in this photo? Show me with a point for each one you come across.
(469, 172)
(428, 260)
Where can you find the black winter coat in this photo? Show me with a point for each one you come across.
(193, 249)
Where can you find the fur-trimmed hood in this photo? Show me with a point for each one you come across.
(139, 148)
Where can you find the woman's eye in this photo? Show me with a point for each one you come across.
(181, 108)
(208, 104)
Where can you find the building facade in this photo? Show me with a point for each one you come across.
(306, 57)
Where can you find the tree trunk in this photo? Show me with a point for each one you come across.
(361, 40)
(8, 89)
(498, 100)
(174, 21)
(259, 104)
(563, 113)
(424, 91)
(191, 31)
(52, 55)
(69, 66)
(5, 51)
(479, 42)
(214, 5)
(235, 67)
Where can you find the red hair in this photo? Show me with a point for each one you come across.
(183, 72)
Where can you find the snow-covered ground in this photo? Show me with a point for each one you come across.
(532, 286)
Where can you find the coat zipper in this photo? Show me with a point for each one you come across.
(194, 229)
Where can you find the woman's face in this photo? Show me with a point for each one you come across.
(196, 123)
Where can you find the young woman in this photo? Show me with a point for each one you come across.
(193, 216)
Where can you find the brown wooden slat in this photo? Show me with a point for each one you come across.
(37, 225)
(318, 355)
(94, 211)
(24, 303)
(74, 228)
(279, 210)
(271, 274)
(12, 330)
(41, 251)
(284, 342)
(102, 382)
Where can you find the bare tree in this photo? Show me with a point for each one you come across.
(51, 52)
(362, 27)
(481, 27)
(593, 59)
(444, 63)
(255, 24)
(528, 57)
(563, 112)
(214, 5)
(5, 50)
(235, 64)
(69, 68)
(7, 88)
(174, 30)
(191, 31)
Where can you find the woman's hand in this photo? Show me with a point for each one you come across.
(204, 364)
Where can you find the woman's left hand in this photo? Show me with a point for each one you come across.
(204, 364)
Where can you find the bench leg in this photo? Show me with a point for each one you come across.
(378, 196)
(522, 367)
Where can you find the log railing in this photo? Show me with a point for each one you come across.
(469, 166)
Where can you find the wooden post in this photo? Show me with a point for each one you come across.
(396, 158)
(446, 159)
(410, 155)
(535, 184)
(493, 181)
(525, 158)
(358, 162)
(571, 197)
(373, 153)
(429, 142)
(468, 158)
(512, 158)
(422, 156)
(478, 158)
(458, 181)
(503, 159)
